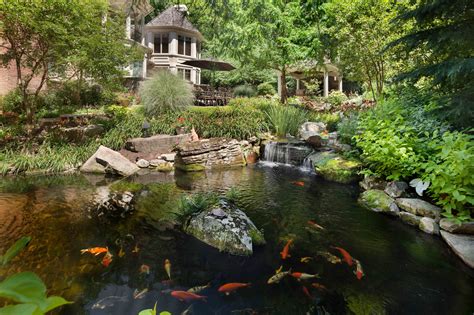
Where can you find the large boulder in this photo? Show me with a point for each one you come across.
(396, 189)
(372, 182)
(334, 167)
(226, 228)
(457, 227)
(378, 201)
(310, 128)
(419, 207)
(157, 144)
(106, 160)
(462, 245)
(429, 225)
(410, 218)
(209, 153)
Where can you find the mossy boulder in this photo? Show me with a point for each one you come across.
(378, 201)
(227, 228)
(335, 168)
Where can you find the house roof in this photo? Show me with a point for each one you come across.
(134, 8)
(172, 17)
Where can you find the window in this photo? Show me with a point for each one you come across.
(161, 44)
(188, 46)
(181, 45)
(184, 45)
(187, 74)
(180, 73)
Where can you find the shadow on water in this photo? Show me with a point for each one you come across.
(406, 271)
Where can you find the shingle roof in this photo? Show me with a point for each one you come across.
(174, 18)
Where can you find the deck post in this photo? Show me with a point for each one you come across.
(340, 83)
(279, 83)
(326, 84)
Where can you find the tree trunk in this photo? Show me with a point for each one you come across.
(284, 93)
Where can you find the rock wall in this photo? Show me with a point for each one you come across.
(209, 153)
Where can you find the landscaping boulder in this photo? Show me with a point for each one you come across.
(141, 163)
(372, 182)
(157, 144)
(378, 201)
(429, 225)
(226, 228)
(410, 218)
(462, 245)
(457, 227)
(309, 129)
(419, 207)
(209, 153)
(106, 160)
(396, 189)
(334, 167)
(169, 157)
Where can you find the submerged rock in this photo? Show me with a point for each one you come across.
(410, 218)
(462, 245)
(106, 160)
(112, 204)
(334, 167)
(429, 225)
(226, 228)
(378, 201)
(419, 207)
(457, 227)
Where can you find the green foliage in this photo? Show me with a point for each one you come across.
(165, 92)
(347, 128)
(336, 98)
(12, 102)
(244, 91)
(14, 250)
(330, 119)
(195, 203)
(259, 103)
(450, 173)
(232, 194)
(285, 120)
(116, 111)
(266, 88)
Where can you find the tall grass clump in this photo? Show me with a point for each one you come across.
(195, 203)
(285, 120)
(165, 92)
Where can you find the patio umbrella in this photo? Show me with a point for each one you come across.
(210, 64)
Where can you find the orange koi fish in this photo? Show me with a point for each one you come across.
(298, 183)
(359, 272)
(314, 224)
(284, 253)
(306, 292)
(168, 268)
(107, 259)
(145, 269)
(318, 286)
(303, 276)
(231, 287)
(187, 296)
(95, 250)
(347, 257)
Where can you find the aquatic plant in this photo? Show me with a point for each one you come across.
(195, 203)
(232, 194)
(285, 119)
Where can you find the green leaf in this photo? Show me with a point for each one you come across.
(165, 313)
(54, 302)
(146, 312)
(23, 309)
(15, 249)
(24, 287)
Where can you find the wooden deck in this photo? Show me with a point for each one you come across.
(205, 95)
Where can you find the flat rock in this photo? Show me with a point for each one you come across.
(310, 128)
(169, 157)
(419, 207)
(378, 201)
(410, 218)
(157, 144)
(106, 160)
(457, 227)
(429, 225)
(334, 167)
(141, 163)
(396, 189)
(462, 245)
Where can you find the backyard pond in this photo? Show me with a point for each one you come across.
(406, 271)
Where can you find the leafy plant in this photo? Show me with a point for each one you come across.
(265, 88)
(244, 91)
(347, 128)
(165, 92)
(285, 119)
(336, 98)
(198, 202)
(14, 250)
(330, 119)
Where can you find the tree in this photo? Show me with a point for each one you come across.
(444, 29)
(357, 31)
(60, 38)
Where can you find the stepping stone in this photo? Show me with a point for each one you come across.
(462, 245)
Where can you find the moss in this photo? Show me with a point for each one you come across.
(123, 185)
(190, 167)
(376, 200)
(335, 168)
(164, 167)
(257, 237)
(160, 203)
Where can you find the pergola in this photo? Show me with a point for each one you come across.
(331, 75)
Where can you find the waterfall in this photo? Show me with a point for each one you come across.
(288, 153)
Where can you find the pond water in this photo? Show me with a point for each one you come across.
(406, 271)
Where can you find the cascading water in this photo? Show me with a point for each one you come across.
(288, 153)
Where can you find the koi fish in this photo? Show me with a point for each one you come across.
(231, 287)
(359, 272)
(121, 252)
(298, 183)
(318, 286)
(108, 302)
(168, 268)
(279, 269)
(107, 259)
(136, 249)
(199, 288)
(347, 257)
(284, 253)
(277, 278)
(314, 224)
(330, 257)
(306, 292)
(303, 276)
(139, 294)
(187, 296)
(306, 259)
(95, 250)
(145, 269)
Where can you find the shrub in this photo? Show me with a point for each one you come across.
(285, 119)
(116, 111)
(265, 88)
(336, 98)
(165, 92)
(347, 128)
(330, 119)
(260, 103)
(450, 173)
(245, 91)
(12, 102)
(313, 87)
